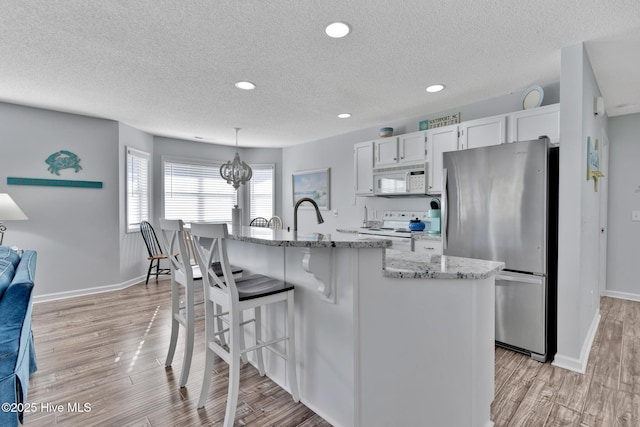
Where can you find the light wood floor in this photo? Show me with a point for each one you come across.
(529, 393)
(108, 351)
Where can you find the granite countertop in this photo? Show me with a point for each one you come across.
(421, 235)
(398, 264)
(412, 265)
(416, 235)
(269, 237)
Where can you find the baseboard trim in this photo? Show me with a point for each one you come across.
(622, 295)
(87, 291)
(579, 365)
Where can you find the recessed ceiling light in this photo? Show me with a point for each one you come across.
(435, 88)
(344, 115)
(245, 85)
(337, 29)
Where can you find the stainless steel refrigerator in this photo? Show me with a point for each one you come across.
(500, 204)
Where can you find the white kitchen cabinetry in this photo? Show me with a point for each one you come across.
(483, 132)
(412, 147)
(363, 168)
(428, 246)
(386, 152)
(439, 140)
(534, 123)
(408, 148)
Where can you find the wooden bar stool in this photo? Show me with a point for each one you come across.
(235, 296)
(187, 276)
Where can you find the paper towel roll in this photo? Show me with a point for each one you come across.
(236, 214)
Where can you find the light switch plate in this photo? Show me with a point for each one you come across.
(635, 215)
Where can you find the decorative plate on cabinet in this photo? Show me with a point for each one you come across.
(532, 97)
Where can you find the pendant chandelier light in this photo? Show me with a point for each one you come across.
(236, 172)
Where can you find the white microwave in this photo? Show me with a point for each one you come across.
(400, 181)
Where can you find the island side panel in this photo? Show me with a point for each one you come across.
(324, 331)
(425, 349)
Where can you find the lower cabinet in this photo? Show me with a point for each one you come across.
(431, 247)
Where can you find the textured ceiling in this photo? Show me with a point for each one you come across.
(169, 67)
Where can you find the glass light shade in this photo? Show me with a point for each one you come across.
(236, 172)
(9, 210)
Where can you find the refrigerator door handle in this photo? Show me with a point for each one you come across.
(444, 207)
(533, 279)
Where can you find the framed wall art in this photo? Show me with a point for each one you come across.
(593, 162)
(314, 184)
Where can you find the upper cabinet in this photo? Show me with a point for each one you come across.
(408, 148)
(483, 132)
(439, 140)
(532, 124)
(386, 151)
(363, 168)
(418, 147)
(412, 147)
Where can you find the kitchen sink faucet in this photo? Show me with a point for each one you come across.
(295, 212)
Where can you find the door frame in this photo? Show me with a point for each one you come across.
(603, 185)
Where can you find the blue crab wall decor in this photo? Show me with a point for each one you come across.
(63, 160)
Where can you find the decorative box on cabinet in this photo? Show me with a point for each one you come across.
(531, 124)
(483, 132)
(439, 140)
(363, 168)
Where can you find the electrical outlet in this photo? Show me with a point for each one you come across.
(635, 215)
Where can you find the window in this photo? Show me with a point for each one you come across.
(137, 188)
(261, 191)
(195, 192)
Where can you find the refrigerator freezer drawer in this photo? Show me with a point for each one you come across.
(521, 312)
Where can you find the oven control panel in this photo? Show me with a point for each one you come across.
(404, 216)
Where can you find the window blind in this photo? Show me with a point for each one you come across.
(137, 188)
(261, 191)
(197, 193)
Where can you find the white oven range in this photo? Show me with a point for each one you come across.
(395, 227)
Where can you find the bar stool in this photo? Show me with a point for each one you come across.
(235, 296)
(185, 275)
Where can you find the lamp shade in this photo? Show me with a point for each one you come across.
(9, 210)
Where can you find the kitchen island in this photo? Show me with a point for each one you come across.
(383, 338)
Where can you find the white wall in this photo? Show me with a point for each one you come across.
(337, 154)
(133, 252)
(80, 234)
(176, 148)
(265, 156)
(623, 266)
(74, 230)
(579, 215)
